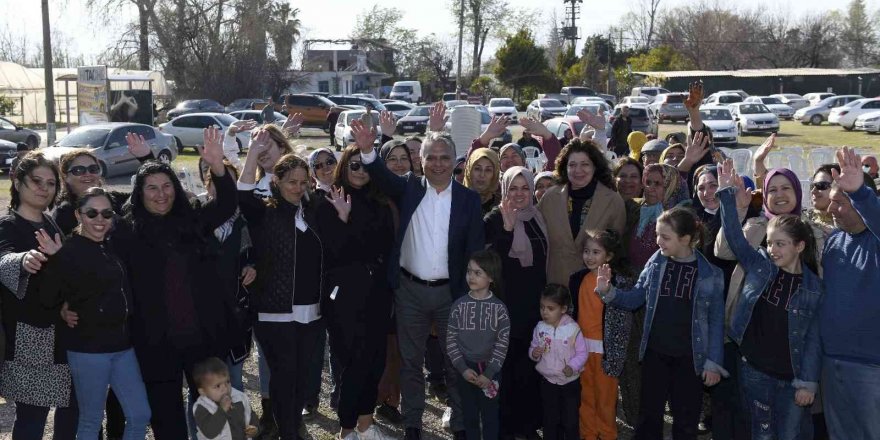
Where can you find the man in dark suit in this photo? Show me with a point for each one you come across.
(440, 227)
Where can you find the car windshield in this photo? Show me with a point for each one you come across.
(634, 112)
(729, 99)
(402, 89)
(85, 137)
(651, 92)
(226, 120)
(420, 111)
(716, 115)
(771, 101)
(501, 103)
(550, 103)
(753, 109)
(239, 102)
(188, 104)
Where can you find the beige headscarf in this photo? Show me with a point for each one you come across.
(521, 248)
(476, 155)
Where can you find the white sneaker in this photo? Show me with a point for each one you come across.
(373, 432)
(447, 417)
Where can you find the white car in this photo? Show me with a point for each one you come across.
(720, 121)
(630, 100)
(794, 100)
(819, 112)
(869, 122)
(188, 129)
(846, 115)
(752, 117)
(455, 103)
(782, 111)
(257, 115)
(400, 109)
(586, 99)
(723, 99)
(503, 107)
(342, 132)
(814, 98)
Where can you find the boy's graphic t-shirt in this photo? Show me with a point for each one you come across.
(765, 342)
(671, 328)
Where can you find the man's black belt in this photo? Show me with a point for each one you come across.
(429, 283)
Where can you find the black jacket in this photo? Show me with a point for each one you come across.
(91, 278)
(620, 130)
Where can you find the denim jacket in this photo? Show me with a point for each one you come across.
(803, 310)
(707, 330)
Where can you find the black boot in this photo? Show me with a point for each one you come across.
(268, 428)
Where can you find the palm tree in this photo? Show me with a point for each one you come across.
(284, 29)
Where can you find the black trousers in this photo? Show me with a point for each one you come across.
(360, 361)
(435, 362)
(30, 421)
(561, 404)
(288, 347)
(729, 421)
(520, 396)
(479, 412)
(673, 378)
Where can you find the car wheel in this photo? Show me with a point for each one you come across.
(848, 128)
(816, 120)
(32, 142)
(164, 156)
(179, 144)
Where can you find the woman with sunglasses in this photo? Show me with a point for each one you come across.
(820, 195)
(80, 170)
(88, 275)
(358, 234)
(35, 373)
(322, 163)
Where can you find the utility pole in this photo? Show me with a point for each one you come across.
(608, 73)
(460, 40)
(47, 76)
(572, 13)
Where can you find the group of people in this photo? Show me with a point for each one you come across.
(535, 300)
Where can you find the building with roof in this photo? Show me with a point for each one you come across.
(862, 81)
(345, 67)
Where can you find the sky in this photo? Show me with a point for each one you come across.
(332, 19)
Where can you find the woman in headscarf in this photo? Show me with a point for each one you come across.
(516, 230)
(322, 163)
(481, 175)
(663, 190)
(543, 181)
(396, 156)
(511, 155)
(672, 155)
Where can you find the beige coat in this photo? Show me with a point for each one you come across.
(565, 255)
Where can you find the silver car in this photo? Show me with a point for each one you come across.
(13, 133)
(107, 142)
(815, 114)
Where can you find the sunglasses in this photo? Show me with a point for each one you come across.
(79, 170)
(330, 163)
(92, 213)
(821, 186)
(355, 166)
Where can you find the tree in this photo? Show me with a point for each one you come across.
(640, 22)
(7, 105)
(283, 27)
(858, 37)
(565, 60)
(521, 62)
(109, 8)
(482, 19)
(380, 24)
(659, 59)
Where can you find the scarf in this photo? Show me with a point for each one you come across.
(476, 155)
(673, 194)
(795, 183)
(521, 248)
(516, 148)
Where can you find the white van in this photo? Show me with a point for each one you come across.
(409, 91)
(648, 92)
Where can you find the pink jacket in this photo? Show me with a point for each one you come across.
(562, 345)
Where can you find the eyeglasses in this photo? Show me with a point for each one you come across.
(355, 166)
(79, 170)
(330, 163)
(92, 213)
(821, 186)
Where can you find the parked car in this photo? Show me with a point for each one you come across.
(194, 106)
(794, 100)
(409, 91)
(188, 130)
(544, 109)
(628, 100)
(246, 104)
(364, 95)
(648, 92)
(485, 119)
(782, 111)
(752, 117)
(573, 91)
(257, 115)
(670, 106)
(585, 99)
(642, 118)
(593, 107)
(314, 108)
(8, 153)
(416, 121)
(357, 100)
(721, 123)
(846, 115)
(455, 103)
(739, 92)
(611, 100)
(723, 99)
(819, 112)
(342, 131)
(450, 96)
(558, 126)
(107, 143)
(814, 98)
(503, 107)
(399, 109)
(868, 122)
(11, 132)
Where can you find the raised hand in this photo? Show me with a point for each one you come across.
(537, 128)
(851, 176)
(243, 125)
(137, 145)
(592, 119)
(259, 142)
(293, 123)
(212, 152)
(495, 129)
(341, 202)
(603, 279)
(695, 95)
(48, 245)
(33, 261)
(508, 214)
(765, 148)
(363, 136)
(726, 174)
(387, 123)
(437, 120)
(694, 151)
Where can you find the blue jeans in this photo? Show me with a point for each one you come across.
(770, 403)
(92, 373)
(852, 399)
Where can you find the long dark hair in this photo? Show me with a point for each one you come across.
(24, 168)
(602, 171)
(798, 230)
(138, 213)
(340, 175)
(64, 164)
(612, 242)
